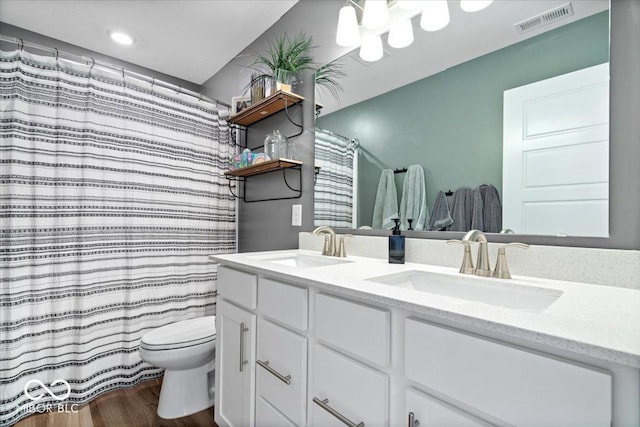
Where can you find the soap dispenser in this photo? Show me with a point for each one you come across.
(396, 245)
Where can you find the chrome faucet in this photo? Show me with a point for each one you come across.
(329, 240)
(482, 262)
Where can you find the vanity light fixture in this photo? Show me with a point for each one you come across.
(348, 33)
(474, 5)
(375, 14)
(371, 49)
(380, 16)
(435, 15)
(121, 38)
(400, 34)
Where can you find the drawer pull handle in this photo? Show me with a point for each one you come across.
(278, 375)
(324, 405)
(243, 362)
(412, 420)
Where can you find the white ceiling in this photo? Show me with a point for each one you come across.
(188, 39)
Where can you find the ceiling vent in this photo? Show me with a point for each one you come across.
(545, 18)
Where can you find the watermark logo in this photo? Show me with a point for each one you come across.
(34, 406)
(62, 397)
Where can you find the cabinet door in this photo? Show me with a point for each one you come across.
(235, 366)
(520, 387)
(281, 375)
(425, 411)
(345, 388)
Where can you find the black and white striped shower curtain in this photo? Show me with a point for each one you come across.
(334, 192)
(112, 197)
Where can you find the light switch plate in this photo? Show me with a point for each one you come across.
(296, 215)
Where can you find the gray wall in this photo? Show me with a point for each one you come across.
(267, 225)
(451, 122)
(26, 35)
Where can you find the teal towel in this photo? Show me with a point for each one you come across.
(413, 204)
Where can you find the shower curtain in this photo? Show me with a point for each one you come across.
(335, 187)
(112, 197)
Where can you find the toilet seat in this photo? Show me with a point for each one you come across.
(183, 334)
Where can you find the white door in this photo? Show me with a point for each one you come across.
(235, 366)
(556, 155)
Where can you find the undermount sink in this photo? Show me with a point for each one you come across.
(304, 261)
(497, 292)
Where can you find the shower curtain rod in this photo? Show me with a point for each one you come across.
(87, 60)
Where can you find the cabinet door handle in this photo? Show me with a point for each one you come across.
(243, 362)
(278, 375)
(412, 420)
(324, 405)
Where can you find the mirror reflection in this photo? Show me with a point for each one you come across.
(515, 140)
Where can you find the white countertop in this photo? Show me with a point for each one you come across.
(597, 321)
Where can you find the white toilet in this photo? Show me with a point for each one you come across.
(186, 351)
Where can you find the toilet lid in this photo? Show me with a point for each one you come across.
(181, 334)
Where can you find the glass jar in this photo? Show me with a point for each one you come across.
(276, 146)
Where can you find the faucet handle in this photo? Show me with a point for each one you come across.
(327, 249)
(342, 251)
(502, 269)
(467, 261)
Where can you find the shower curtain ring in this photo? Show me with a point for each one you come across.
(56, 49)
(21, 45)
(93, 64)
(123, 72)
(200, 99)
(179, 90)
(153, 81)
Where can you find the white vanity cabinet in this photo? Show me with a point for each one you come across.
(235, 365)
(424, 410)
(281, 372)
(514, 385)
(343, 388)
(329, 358)
(345, 391)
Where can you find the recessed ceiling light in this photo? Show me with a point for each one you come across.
(121, 38)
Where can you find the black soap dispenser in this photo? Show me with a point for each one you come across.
(396, 245)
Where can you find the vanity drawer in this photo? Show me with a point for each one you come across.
(285, 353)
(238, 287)
(359, 329)
(268, 416)
(284, 303)
(355, 391)
(429, 411)
(518, 386)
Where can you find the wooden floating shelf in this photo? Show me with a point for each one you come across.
(265, 108)
(264, 167)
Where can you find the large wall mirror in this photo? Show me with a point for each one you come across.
(523, 113)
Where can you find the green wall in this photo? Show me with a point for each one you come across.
(451, 122)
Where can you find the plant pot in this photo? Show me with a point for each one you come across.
(283, 86)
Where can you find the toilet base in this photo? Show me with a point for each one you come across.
(185, 392)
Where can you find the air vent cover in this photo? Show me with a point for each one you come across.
(553, 15)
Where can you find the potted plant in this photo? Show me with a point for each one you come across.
(287, 56)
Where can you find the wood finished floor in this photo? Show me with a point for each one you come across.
(134, 407)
